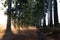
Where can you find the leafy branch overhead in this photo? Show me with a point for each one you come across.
(26, 11)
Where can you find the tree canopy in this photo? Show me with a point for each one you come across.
(27, 12)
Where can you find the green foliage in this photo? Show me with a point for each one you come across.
(27, 12)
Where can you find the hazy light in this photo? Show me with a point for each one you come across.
(58, 9)
(3, 18)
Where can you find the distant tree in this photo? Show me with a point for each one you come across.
(45, 8)
(55, 14)
(41, 14)
(51, 24)
(50, 13)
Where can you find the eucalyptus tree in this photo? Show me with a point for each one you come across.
(26, 15)
(39, 9)
(12, 12)
(9, 16)
(18, 11)
(50, 13)
(30, 13)
(51, 24)
(27, 12)
(45, 9)
(41, 14)
(55, 14)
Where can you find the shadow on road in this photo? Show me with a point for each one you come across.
(8, 35)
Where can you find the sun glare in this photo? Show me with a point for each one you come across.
(3, 18)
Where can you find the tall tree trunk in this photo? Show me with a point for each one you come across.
(40, 22)
(50, 13)
(55, 14)
(40, 32)
(51, 24)
(9, 16)
(44, 23)
(44, 20)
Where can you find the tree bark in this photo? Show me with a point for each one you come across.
(51, 23)
(44, 20)
(55, 14)
(9, 16)
(50, 13)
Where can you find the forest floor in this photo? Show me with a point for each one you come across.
(29, 34)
